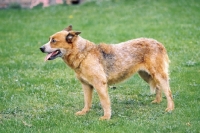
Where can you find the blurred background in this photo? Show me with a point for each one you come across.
(30, 3)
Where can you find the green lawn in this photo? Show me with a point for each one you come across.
(38, 96)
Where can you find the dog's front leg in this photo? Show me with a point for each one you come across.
(87, 89)
(102, 91)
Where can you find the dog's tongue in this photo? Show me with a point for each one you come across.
(48, 56)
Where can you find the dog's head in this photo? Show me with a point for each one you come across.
(59, 43)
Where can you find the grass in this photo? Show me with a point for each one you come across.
(42, 97)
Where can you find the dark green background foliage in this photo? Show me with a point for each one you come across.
(38, 96)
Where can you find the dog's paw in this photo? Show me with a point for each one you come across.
(156, 101)
(104, 118)
(169, 109)
(80, 113)
(170, 106)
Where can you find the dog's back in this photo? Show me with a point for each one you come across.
(123, 59)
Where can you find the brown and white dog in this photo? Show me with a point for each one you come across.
(97, 66)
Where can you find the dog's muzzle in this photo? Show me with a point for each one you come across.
(51, 55)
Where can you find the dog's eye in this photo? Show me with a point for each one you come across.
(53, 40)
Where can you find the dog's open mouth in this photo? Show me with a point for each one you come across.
(53, 55)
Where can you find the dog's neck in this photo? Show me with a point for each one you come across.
(80, 50)
(83, 44)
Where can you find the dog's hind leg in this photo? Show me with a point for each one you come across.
(87, 89)
(147, 77)
(158, 98)
(153, 87)
(163, 83)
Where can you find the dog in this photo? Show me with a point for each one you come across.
(97, 66)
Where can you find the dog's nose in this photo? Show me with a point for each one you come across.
(42, 49)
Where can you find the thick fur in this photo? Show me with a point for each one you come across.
(98, 66)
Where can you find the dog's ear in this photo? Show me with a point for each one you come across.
(71, 35)
(77, 32)
(69, 38)
(69, 28)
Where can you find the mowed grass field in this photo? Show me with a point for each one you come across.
(42, 97)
